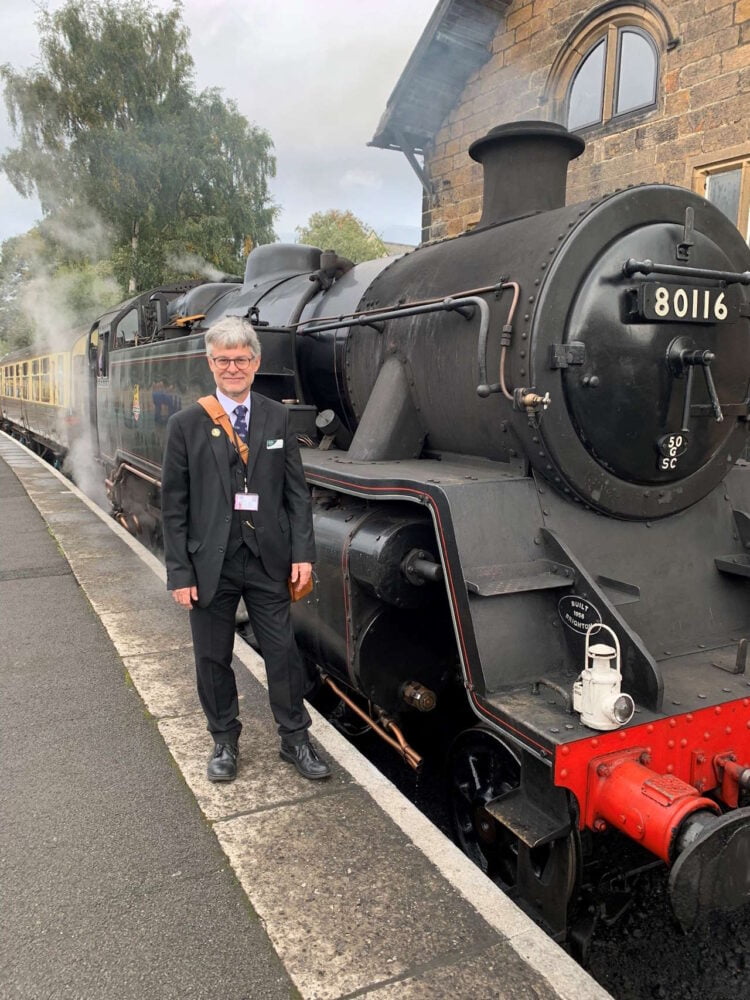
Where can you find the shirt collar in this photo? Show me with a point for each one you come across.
(231, 404)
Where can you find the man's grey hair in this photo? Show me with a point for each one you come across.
(233, 331)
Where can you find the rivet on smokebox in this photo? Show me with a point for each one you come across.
(215, 432)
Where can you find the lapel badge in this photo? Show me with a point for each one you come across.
(215, 432)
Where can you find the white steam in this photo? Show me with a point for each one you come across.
(60, 303)
(191, 263)
(50, 302)
(86, 237)
(83, 468)
(60, 298)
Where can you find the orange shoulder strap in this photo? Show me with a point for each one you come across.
(219, 415)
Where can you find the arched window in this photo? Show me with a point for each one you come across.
(609, 66)
(617, 75)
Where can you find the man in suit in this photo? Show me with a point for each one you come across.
(237, 529)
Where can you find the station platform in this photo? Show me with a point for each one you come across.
(127, 874)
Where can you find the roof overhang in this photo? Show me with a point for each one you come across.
(453, 46)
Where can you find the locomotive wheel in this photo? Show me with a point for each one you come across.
(480, 768)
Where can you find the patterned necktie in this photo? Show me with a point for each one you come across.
(240, 424)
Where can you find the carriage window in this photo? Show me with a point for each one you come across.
(45, 384)
(727, 185)
(34, 394)
(60, 381)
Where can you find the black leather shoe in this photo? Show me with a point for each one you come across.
(222, 764)
(306, 760)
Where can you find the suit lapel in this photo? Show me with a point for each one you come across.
(218, 443)
(255, 434)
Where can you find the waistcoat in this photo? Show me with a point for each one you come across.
(240, 533)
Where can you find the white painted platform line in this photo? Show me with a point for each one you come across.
(535, 948)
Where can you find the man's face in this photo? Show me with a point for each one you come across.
(232, 380)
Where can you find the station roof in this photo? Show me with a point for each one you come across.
(455, 43)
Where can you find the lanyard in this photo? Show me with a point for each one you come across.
(235, 439)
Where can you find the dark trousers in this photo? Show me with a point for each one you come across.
(213, 628)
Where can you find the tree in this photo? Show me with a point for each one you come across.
(344, 233)
(15, 328)
(46, 286)
(111, 121)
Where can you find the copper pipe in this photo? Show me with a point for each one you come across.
(516, 294)
(126, 466)
(501, 377)
(407, 752)
(132, 526)
(399, 744)
(137, 472)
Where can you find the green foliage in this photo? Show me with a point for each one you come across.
(344, 233)
(15, 328)
(108, 72)
(45, 288)
(110, 122)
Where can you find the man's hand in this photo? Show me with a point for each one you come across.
(301, 573)
(186, 596)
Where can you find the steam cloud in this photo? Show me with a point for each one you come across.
(191, 263)
(60, 306)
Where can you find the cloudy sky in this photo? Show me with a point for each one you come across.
(315, 73)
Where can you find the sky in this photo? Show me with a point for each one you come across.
(316, 74)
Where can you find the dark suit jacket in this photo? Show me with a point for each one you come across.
(198, 496)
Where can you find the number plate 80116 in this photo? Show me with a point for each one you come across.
(685, 303)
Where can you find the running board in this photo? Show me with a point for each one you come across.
(516, 578)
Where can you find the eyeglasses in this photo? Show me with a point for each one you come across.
(241, 364)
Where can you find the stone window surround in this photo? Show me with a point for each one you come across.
(729, 159)
(605, 21)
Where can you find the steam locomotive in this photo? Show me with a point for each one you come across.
(530, 508)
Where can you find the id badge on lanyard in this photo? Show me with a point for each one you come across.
(245, 501)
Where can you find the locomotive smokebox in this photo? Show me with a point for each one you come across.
(525, 169)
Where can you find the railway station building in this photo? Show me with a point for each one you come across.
(659, 90)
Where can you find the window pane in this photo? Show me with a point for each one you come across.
(587, 89)
(723, 190)
(127, 328)
(636, 78)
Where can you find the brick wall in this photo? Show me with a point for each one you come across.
(702, 113)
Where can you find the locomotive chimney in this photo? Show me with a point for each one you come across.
(525, 168)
